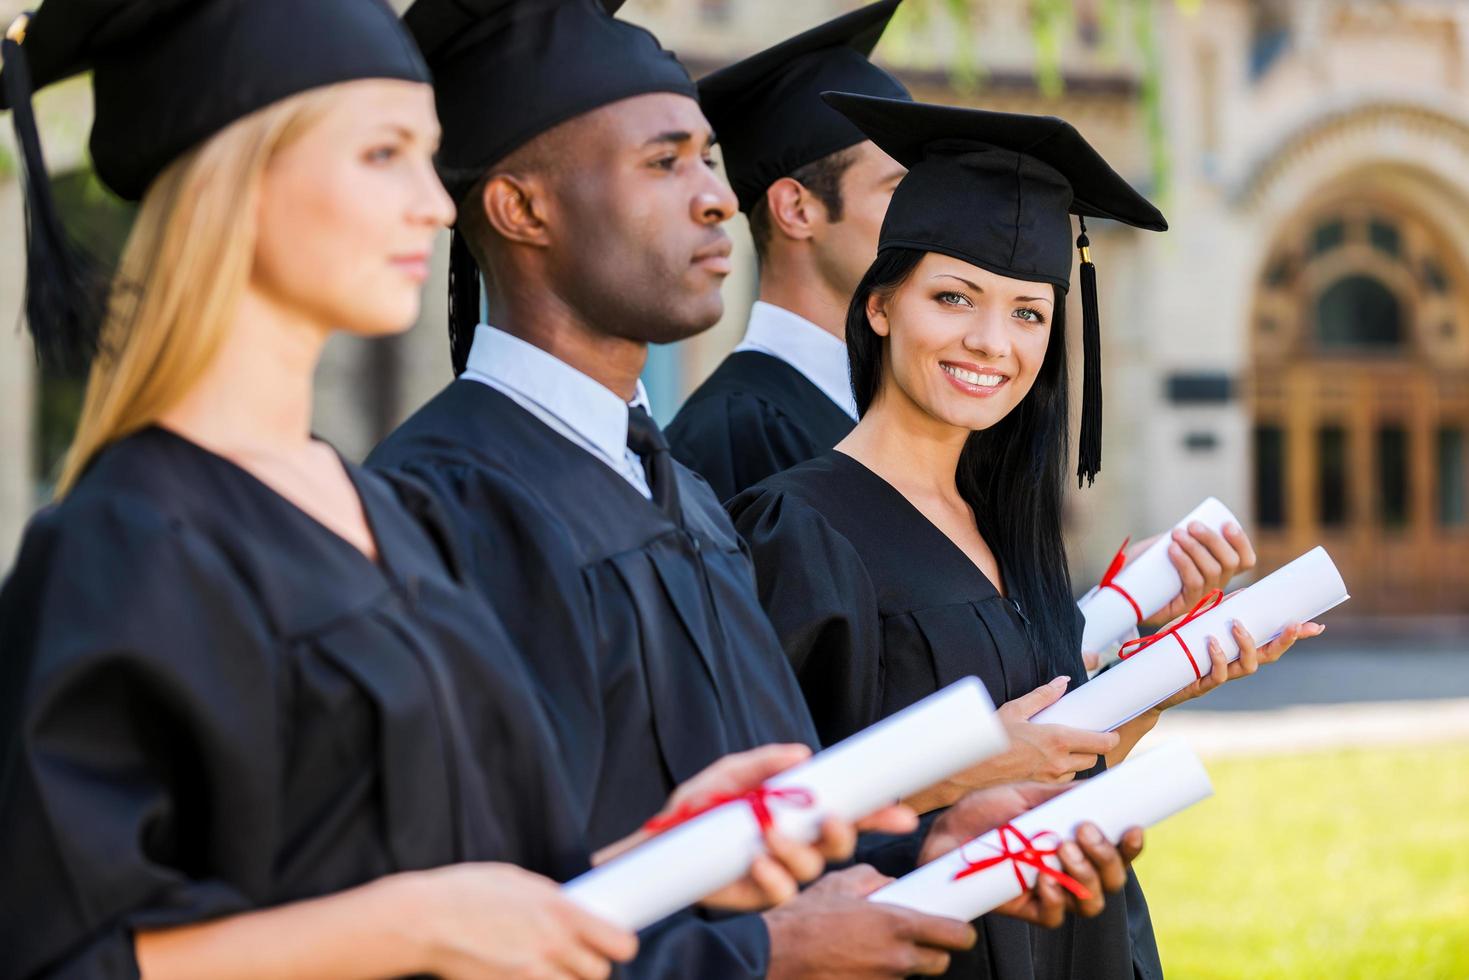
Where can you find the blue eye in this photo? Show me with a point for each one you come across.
(381, 154)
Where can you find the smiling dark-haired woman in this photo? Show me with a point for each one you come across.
(927, 546)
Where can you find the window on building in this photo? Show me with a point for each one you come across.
(1385, 237)
(1270, 34)
(1269, 476)
(1328, 235)
(1434, 277)
(1332, 504)
(1358, 311)
(1392, 476)
(1453, 507)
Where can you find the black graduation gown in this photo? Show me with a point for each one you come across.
(753, 417)
(647, 638)
(211, 703)
(877, 609)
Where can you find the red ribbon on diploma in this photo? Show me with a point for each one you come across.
(1024, 851)
(758, 798)
(1133, 647)
(1118, 560)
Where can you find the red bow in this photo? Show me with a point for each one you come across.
(758, 798)
(1029, 852)
(1118, 560)
(1134, 647)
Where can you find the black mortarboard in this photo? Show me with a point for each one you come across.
(166, 75)
(767, 111)
(996, 189)
(506, 71)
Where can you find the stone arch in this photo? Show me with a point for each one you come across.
(1429, 278)
(1353, 437)
(1341, 136)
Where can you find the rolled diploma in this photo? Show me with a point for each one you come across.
(946, 732)
(1294, 593)
(1138, 793)
(1149, 578)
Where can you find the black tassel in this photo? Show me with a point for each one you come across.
(66, 287)
(463, 301)
(1089, 449)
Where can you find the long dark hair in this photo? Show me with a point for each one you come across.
(1012, 475)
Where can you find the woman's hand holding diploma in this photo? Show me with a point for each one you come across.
(1046, 753)
(1205, 559)
(1221, 671)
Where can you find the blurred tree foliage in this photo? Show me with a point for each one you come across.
(1052, 23)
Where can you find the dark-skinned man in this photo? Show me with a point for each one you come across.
(580, 161)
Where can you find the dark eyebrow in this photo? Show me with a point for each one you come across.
(679, 137)
(980, 289)
(671, 136)
(945, 275)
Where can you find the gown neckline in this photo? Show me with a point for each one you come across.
(921, 518)
(606, 474)
(381, 564)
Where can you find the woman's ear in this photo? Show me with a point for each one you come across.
(877, 316)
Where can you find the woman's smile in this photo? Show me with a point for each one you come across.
(973, 380)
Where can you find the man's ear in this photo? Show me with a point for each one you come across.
(877, 314)
(515, 207)
(794, 210)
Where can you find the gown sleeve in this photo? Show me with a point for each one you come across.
(815, 588)
(139, 782)
(736, 440)
(518, 558)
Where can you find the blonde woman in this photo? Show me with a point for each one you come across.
(251, 724)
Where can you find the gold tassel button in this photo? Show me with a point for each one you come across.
(17, 30)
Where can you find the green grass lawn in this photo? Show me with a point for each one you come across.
(1342, 865)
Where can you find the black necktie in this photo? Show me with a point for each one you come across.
(646, 439)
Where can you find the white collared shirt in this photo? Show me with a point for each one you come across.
(818, 355)
(573, 404)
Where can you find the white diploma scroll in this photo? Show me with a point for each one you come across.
(1138, 793)
(1295, 593)
(1149, 580)
(943, 734)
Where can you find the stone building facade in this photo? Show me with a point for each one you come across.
(1297, 344)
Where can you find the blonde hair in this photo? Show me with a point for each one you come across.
(182, 273)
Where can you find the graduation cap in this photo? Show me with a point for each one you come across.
(506, 71)
(166, 75)
(766, 108)
(996, 189)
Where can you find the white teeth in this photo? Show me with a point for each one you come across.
(973, 377)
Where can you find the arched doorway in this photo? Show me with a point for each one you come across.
(1359, 394)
